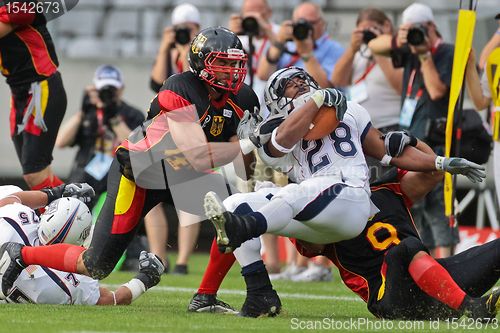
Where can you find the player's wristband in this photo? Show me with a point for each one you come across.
(386, 160)
(136, 287)
(277, 145)
(318, 97)
(439, 162)
(247, 146)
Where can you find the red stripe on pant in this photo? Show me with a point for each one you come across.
(125, 222)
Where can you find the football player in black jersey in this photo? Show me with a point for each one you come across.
(388, 266)
(192, 126)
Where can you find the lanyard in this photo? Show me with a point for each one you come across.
(369, 67)
(256, 55)
(411, 81)
(100, 127)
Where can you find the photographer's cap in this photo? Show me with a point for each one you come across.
(185, 13)
(417, 13)
(108, 75)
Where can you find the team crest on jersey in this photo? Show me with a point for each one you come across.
(198, 43)
(217, 125)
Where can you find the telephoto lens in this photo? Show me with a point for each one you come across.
(250, 26)
(416, 35)
(301, 29)
(182, 36)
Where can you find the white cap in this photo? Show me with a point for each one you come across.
(6, 190)
(107, 75)
(417, 13)
(185, 13)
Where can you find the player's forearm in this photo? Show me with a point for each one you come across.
(296, 125)
(435, 87)
(159, 71)
(212, 155)
(414, 159)
(32, 199)
(342, 73)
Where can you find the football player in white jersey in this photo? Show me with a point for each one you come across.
(65, 220)
(329, 200)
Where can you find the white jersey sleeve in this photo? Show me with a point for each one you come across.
(360, 117)
(41, 285)
(283, 164)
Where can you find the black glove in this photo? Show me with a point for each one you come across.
(81, 191)
(396, 141)
(150, 269)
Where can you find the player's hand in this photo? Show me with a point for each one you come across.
(150, 269)
(331, 97)
(81, 191)
(248, 124)
(396, 141)
(460, 166)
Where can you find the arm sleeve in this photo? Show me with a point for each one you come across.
(87, 292)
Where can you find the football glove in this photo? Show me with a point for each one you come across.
(248, 124)
(331, 97)
(460, 166)
(150, 269)
(396, 141)
(81, 191)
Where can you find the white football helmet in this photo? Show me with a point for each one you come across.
(274, 93)
(65, 220)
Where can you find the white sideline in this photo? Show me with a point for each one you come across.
(243, 293)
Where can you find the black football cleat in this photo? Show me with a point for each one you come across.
(486, 308)
(261, 304)
(209, 304)
(232, 230)
(11, 265)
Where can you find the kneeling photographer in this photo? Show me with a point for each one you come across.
(103, 122)
(303, 42)
(174, 47)
(427, 62)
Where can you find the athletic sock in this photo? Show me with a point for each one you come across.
(218, 266)
(63, 257)
(56, 181)
(47, 182)
(256, 277)
(436, 282)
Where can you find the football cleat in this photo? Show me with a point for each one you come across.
(232, 230)
(288, 273)
(209, 303)
(261, 304)
(11, 265)
(486, 308)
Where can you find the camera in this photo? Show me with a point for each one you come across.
(107, 95)
(368, 35)
(250, 26)
(301, 29)
(182, 35)
(416, 35)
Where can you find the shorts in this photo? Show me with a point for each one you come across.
(33, 145)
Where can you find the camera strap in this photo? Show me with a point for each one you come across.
(409, 89)
(258, 54)
(369, 67)
(100, 127)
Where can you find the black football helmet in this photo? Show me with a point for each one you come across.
(216, 55)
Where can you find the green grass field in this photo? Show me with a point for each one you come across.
(324, 306)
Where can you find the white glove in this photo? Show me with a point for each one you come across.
(461, 166)
(248, 124)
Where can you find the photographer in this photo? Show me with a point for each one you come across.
(254, 20)
(303, 42)
(427, 62)
(103, 122)
(174, 46)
